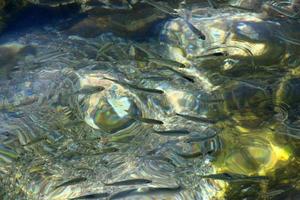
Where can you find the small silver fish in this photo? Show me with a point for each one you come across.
(274, 193)
(36, 140)
(150, 90)
(200, 137)
(166, 62)
(149, 121)
(216, 54)
(145, 191)
(90, 90)
(284, 12)
(186, 77)
(288, 39)
(241, 8)
(104, 48)
(232, 177)
(170, 11)
(176, 132)
(71, 182)
(122, 194)
(157, 59)
(149, 53)
(162, 7)
(293, 130)
(158, 191)
(192, 155)
(197, 119)
(129, 182)
(104, 151)
(5, 151)
(73, 123)
(212, 4)
(195, 30)
(92, 196)
(245, 49)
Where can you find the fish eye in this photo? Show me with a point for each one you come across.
(113, 115)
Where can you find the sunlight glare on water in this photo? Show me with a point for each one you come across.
(117, 99)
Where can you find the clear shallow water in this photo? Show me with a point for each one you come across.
(80, 115)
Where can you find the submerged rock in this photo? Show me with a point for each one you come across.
(137, 21)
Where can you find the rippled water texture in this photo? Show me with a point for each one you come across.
(149, 99)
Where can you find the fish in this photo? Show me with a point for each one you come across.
(166, 62)
(4, 151)
(281, 111)
(47, 57)
(146, 51)
(170, 65)
(145, 191)
(157, 59)
(293, 130)
(121, 138)
(105, 150)
(170, 11)
(232, 177)
(162, 158)
(200, 138)
(92, 196)
(281, 131)
(129, 182)
(104, 48)
(158, 190)
(157, 78)
(7, 104)
(162, 7)
(274, 193)
(212, 99)
(192, 155)
(100, 152)
(36, 140)
(188, 78)
(52, 3)
(284, 12)
(245, 49)
(90, 90)
(197, 119)
(186, 16)
(287, 39)
(150, 90)
(73, 123)
(6, 158)
(278, 192)
(122, 194)
(195, 30)
(71, 182)
(216, 54)
(212, 4)
(175, 132)
(241, 8)
(149, 121)
(114, 4)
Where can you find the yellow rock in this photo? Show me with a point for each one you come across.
(252, 152)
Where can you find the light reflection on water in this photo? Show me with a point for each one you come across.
(78, 113)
